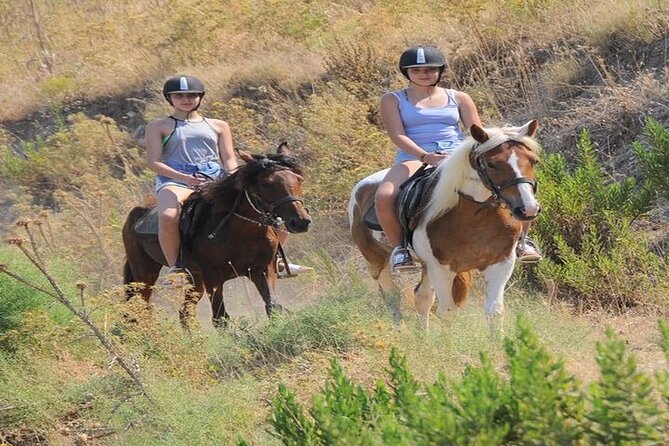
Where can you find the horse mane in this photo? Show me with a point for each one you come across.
(223, 192)
(453, 172)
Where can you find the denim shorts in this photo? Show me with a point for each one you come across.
(211, 169)
(431, 147)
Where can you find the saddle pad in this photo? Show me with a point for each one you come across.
(370, 220)
(147, 226)
(410, 197)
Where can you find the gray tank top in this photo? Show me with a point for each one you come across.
(191, 143)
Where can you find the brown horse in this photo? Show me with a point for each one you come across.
(469, 220)
(232, 232)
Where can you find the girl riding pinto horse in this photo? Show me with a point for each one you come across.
(423, 121)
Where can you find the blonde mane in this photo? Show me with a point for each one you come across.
(455, 170)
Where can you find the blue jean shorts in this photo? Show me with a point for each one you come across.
(211, 169)
(431, 147)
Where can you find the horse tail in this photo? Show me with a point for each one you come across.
(461, 285)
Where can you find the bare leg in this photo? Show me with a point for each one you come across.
(386, 198)
(169, 207)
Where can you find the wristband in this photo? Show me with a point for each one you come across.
(422, 157)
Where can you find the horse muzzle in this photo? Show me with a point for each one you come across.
(520, 213)
(298, 224)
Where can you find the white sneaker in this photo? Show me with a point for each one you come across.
(401, 261)
(527, 251)
(295, 269)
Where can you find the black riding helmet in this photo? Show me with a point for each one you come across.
(422, 56)
(183, 84)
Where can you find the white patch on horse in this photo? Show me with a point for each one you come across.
(525, 189)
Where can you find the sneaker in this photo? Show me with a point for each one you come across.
(177, 276)
(401, 260)
(295, 269)
(527, 251)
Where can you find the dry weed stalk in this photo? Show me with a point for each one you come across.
(128, 366)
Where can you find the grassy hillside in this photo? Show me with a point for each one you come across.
(82, 78)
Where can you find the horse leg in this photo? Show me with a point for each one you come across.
(390, 291)
(145, 275)
(496, 277)
(220, 316)
(139, 274)
(441, 278)
(265, 286)
(192, 295)
(424, 296)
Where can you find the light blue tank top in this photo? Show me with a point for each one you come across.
(194, 143)
(433, 128)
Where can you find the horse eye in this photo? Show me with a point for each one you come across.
(492, 166)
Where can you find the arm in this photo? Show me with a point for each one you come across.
(155, 132)
(469, 115)
(392, 122)
(225, 147)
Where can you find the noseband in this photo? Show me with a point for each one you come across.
(496, 190)
(266, 210)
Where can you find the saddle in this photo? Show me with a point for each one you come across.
(147, 225)
(409, 202)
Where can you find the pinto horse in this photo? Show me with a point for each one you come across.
(470, 219)
(232, 232)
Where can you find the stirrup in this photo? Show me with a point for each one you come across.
(527, 251)
(178, 276)
(401, 261)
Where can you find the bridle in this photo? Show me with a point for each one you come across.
(497, 197)
(267, 211)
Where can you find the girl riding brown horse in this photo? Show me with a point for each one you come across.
(231, 229)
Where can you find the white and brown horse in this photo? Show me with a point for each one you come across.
(470, 221)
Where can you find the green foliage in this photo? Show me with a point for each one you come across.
(624, 411)
(57, 88)
(595, 255)
(663, 376)
(540, 386)
(538, 403)
(78, 155)
(340, 144)
(654, 157)
(17, 300)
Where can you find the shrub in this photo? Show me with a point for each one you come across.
(595, 255)
(538, 403)
(654, 157)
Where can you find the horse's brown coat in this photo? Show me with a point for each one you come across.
(246, 245)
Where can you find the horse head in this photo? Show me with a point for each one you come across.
(273, 185)
(504, 161)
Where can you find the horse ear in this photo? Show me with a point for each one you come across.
(245, 156)
(478, 134)
(530, 128)
(283, 149)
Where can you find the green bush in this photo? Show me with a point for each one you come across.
(595, 256)
(534, 402)
(654, 157)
